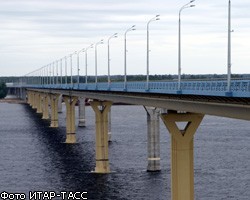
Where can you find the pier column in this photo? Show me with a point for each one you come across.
(60, 104)
(70, 103)
(34, 100)
(54, 110)
(45, 106)
(109, 126)
(39, 103)
(81, 107)
(101, 114)
(153, 125)
(182, 155)
(29, 97)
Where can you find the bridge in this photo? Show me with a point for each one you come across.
(161, 100)
(174, 102)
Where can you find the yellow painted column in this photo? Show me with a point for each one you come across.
(45, 106)
(34, 100)
(70, 103)
(54, 110)
(182, 155)
(101, 113)
(39, 103)
(31, 98)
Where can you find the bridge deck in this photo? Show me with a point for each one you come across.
(239, 88)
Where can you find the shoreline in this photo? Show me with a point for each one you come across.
(12, 100)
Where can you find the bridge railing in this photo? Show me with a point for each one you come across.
(239, 88)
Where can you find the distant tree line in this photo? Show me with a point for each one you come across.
(3, 90)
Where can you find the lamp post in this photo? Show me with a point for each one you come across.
(71, 69)
(100, 42)
(78, 66)
(188, 5)
(132, 28)
(57, 72)
(47, 74)
(113, 36)
(229, 64)
(71, 79)
(50, 77)
(151, 20)
(61, 60)
(53, 73)
(66, 81)
(86, 64)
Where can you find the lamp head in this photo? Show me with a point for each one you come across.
(192, 6)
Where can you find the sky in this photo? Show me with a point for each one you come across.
(35, 33)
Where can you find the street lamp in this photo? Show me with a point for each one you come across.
(50, 77)
(47, 66)
(57, 72)
(66, 81)
(61, 60)
(100, 42)
(151, 20)
(78, 66)
(188, 5)
(132, 28)
(53, 73)
(71, 68)
(229, 64)
(86, 64)
(113, 36)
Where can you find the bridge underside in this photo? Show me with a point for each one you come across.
(231, 107)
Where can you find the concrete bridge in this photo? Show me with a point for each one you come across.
(160, 99)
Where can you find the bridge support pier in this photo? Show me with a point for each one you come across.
(54, 110)
(29, 97)
(182, 155)
(34, 100)
(101, 113)
(45, 106)
(81, 106)
(109, 126)
(60, 104)
(39, 103)
(153, 124)
(70, 103)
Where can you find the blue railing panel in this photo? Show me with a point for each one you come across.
(239, 88)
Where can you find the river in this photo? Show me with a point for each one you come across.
(33, 157)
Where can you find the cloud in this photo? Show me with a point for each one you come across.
(36, 32)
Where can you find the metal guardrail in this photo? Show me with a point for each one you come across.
(239, 88)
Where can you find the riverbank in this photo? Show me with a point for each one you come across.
(12, 99)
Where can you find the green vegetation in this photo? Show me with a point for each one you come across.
(3, 90)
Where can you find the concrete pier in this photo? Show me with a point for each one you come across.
(39, 103)
(70, 103)
(54, 110)
(60, 104)
(45, 106)
(81, 107)
(101, 114)
(182, 155)
(109, 126)
(153, 127)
